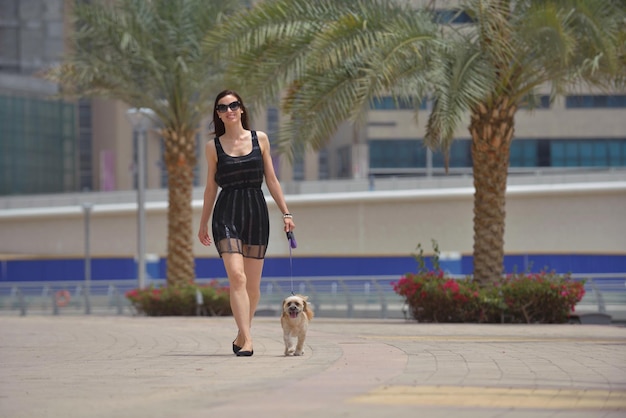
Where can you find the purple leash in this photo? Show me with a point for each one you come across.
(292, 244)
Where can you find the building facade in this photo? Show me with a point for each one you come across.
(49, 145)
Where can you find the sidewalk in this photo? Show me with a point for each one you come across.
(78, 366)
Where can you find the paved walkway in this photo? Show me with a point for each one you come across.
(77, 366)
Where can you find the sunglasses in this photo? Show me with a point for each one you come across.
(222, 108)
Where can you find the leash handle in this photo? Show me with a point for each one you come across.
(292, 244)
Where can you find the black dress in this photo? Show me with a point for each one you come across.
(240, 217)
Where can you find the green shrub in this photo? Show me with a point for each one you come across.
(544, 297)
(432, 296)
(181, 300)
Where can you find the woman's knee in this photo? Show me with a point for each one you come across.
(238, 279)
(235, 268)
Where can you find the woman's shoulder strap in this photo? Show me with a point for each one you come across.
(255, 138)
(218, 147)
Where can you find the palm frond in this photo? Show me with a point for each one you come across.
(464, 79)
(492, 31)
(317, 108)
(333, 56)
(382, 26)
(565, 42)
(267, 47)
(147, 54)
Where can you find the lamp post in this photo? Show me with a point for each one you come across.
(86, 211)
(141, 119)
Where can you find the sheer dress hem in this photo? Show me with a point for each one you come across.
(236, 246)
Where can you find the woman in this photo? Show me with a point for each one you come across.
(238, 158)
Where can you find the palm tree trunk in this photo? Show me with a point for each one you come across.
(180, 160)
(492, 129)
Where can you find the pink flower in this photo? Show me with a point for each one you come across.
(452, 285)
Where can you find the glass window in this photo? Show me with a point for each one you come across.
(523, 153)
(324, 171)
(576, 102)
(85, 150)
(572, 154)
(37, 146)
(397, 153)
(410, 153)
(451, 16)
(595, 101)
(557, 152)
(390, 103)
(601, 153)
(616, 152)
(597, 152)
(535, 102)
(586, 150)
(616, 101)
(345, 162)
(459, 155)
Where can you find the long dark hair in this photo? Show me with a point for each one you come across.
(220, 129)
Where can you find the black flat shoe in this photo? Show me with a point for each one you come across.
(236, 348)
(245, 353)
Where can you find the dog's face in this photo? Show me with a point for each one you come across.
(294, 305)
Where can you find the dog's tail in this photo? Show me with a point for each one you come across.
(308, 311)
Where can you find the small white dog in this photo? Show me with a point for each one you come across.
(295, 318)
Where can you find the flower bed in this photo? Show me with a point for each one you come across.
(433, 296)
(181, 300)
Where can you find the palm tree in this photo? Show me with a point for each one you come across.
(332, 57)
(149, 54)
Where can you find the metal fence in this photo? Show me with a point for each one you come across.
(337, 297)
(605, 294)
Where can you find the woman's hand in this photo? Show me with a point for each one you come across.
(203, 235)
(289, 225)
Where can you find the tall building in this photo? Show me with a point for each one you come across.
(49, 145)
(38, 135)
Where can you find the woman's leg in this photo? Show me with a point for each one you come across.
(239, 299)
(253, 269)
